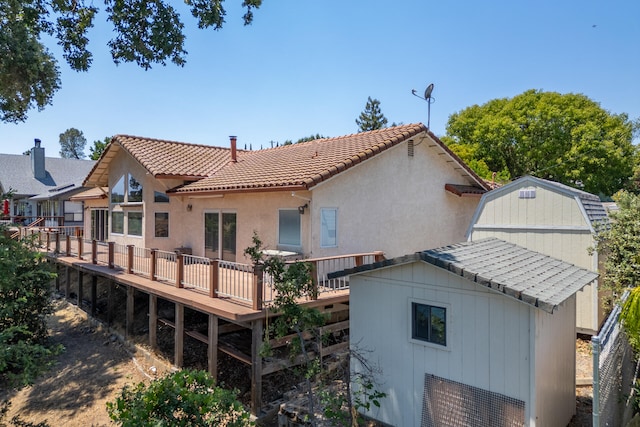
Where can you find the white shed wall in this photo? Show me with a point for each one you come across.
(488, 337)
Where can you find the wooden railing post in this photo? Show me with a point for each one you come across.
(379, 256)
(213, 278)
(94, 251)
(359, 260)
(68, 242)
(179, 270)
(112, 246)
(80, 247)
(152, 267)
(130, 259)
(257, 287)
(314, 280)
(57, 243)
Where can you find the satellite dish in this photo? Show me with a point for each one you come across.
(428, 91)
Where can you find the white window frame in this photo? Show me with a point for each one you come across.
(324, 228)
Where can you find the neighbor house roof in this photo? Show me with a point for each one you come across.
(535, 279)
(302, 166)
(62, 175)
(162, 159)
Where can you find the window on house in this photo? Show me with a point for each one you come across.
(117, 222)
(134, 191)
(117, 191)
(328, 227)
(160, 197)
(162, 224)
(289, 228)
(429, 323)
(134, 223)
(73, 211)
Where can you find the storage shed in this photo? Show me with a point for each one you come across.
(553, 219)
(476, 333)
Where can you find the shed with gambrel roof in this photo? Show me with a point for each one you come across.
(475, 333)
(553, 219)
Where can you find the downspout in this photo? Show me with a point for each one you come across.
(595, 344)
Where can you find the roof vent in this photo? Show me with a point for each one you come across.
(410, 148)
(527, 193)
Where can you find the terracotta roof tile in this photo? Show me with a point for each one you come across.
(302, 165)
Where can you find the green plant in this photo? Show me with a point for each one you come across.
(184, 398)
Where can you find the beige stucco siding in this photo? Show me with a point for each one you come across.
(394, 203)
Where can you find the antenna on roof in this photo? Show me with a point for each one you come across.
(427, 97)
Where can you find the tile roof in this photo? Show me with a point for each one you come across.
(91, 194)
(163, 159)
(16, 173)
(535, 279)
(304, 165)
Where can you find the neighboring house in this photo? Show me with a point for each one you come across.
(393, 189)
(42, 186)
(552, 219)
(476, 333)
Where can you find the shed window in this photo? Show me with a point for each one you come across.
(429, 323)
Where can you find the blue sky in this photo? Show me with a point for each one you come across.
(305, 67)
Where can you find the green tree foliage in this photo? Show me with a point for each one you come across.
(72, 143)
(304, 139)
(98, 148)
(620, 244)
(371, 118)
(25, 302)
(186, 398)
(145, 32)
(565, 138)
(630, 318)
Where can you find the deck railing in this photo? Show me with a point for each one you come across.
(218, 278)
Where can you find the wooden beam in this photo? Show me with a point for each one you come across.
(67, 285)
(153, 321)
(235, 353)
(178, 357)
(256, 367)
(130, 311)
(110, 303)
(80, 280)
(212, 349)
(93, 294)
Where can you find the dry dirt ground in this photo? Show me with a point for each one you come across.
(96, 365)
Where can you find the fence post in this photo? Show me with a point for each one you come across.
(152, 267)
(595, 409)
(179, 269)
(68, 239)
(112, 246)
(130, 259)
(94, 251)
(213, 278)
(314, 280)
(257, 287)
(80, 247)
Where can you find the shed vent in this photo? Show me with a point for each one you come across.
(450, 403)
(528, 193)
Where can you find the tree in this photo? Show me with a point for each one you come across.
(183, 398)
(304, 139)
(72, 143)
(565, 138)
(371, 118)
(98, 148)
(146, 32)
(25, 303)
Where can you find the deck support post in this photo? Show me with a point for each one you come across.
(130, 259)
(48, 241)
(178, 358)
(153, 321)
(213, 278)
(68, 244)
(130, 311)
(212, 350)
(110, 292)
(80, 280)
(256, 367)
(67, 282)
(257, 287)
(57, 250)
(93, 294)
(112, 247)
(58, 277)
(80, 249)
(314, 280)
(94, 251)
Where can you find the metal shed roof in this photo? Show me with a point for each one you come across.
(535, 279)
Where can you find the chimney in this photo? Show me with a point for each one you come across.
(234, 158)
(37, 161)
